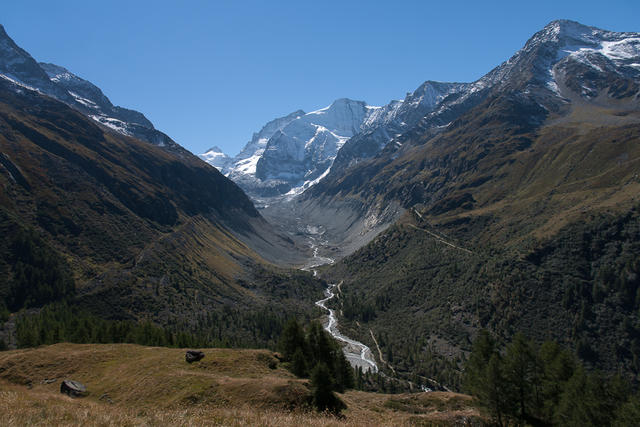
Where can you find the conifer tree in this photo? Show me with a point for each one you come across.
(322, 384)
(292, 338)
(299, 363)
(520, 372)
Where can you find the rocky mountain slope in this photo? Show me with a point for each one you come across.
(18, 66)
(520, 196)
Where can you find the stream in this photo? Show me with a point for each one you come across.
(357, 353)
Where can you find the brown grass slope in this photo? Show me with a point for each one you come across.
(134, 385)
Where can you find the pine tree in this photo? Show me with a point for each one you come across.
(496, 394)
(322, 384)
(321, 345)
(558, 366)
(299, 363)
(343, 372)
(519, 364)
(292, 339)
(474, 375)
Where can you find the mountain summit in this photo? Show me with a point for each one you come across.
(295, 152)
(291, 153)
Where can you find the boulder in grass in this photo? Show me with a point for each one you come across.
(73, 388)
(193, 356)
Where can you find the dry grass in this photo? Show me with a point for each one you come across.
(139, 386)
(571, 171)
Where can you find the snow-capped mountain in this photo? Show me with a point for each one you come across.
(561, 67)
(216, 158)
(563, 55)
(247, 160)
(291, 153)
(19, 67)
(305, 148)
(564, 60)
(395, 118)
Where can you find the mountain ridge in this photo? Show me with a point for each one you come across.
(18, 66)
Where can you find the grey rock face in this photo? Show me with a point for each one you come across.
(290, 153)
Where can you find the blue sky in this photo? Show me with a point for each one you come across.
(212, 72)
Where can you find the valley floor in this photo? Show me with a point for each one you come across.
(136, 385)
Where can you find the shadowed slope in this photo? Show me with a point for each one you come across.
(142, 230)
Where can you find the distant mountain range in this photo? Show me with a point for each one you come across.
(292, 153)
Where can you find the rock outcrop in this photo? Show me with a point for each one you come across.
(193, 356)
(73, 388)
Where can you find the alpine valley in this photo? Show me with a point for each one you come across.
(494, 210)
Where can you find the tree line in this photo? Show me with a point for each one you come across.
(62, 322)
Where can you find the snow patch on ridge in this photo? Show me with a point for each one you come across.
(110, 122)
(17, 82)
(84, 101)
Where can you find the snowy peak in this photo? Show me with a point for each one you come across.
(571, 58)
(216, 149)
(383, 124)
(293, 152)
(555, 64)
(304, 150)
(271, 127)
(398, 116)
(573, 38)
(564, 39)
(344, 116)
(259, 139)
(430, 93)
(89, 99)
(572, 33)
(216, 158)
